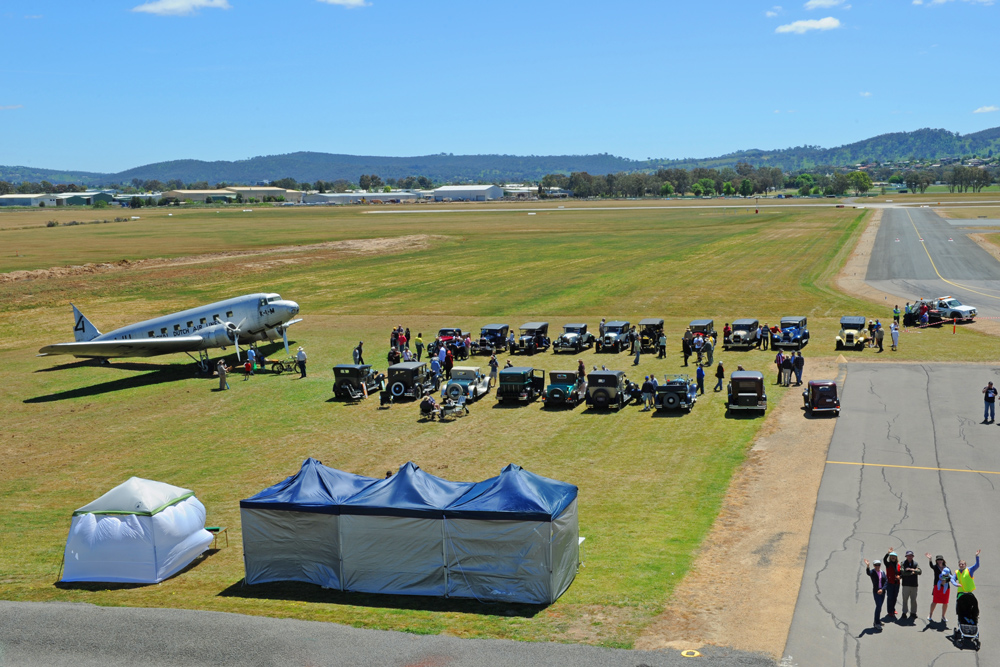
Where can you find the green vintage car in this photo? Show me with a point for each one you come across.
(565, 388)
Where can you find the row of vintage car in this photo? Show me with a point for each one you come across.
(600, 389)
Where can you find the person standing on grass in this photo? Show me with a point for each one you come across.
(786, 370)
(765, 337)
(663, 345)
(894, 334)
(361, 352)
(636, 348)
(798, 365)
(223, 370)
(910, 575)
(418, 344)
(942, 586)
(892, 581)
(895, 314)
(686, 348)
(300, 358)
(700, 377)
(449, 363)
(436, 368)
(720, 375)
(494, 369)
(709, 349)
(647, 395)
(989, 403)
(878, 589)
(581, 370)
(252, 358)
(778, 360)
(879, 335)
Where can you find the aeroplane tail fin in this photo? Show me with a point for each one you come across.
(83, 329)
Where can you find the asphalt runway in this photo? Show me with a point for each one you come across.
(944, 262)
(37, 634)
(930, 482)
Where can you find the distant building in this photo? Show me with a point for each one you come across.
(468, 192)
(394, 197)
(261, 191)
(27, 200)
(126, 199)
(200, 195)
(520, 191)
(82, 198)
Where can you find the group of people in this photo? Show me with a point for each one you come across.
(399, 347)
(890, 576)
(921, 313)
(698, 345)
(787, 364)
(876, 334)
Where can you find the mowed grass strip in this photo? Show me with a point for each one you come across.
(650, 486)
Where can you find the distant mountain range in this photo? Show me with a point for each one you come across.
(446, 168)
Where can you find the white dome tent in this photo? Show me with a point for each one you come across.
(141, 531)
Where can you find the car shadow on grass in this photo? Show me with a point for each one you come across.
(669, 414)
(303, 592)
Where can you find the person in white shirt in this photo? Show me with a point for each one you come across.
(300, 358)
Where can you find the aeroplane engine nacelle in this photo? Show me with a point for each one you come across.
(216, 335)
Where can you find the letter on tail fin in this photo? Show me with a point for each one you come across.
(83, 329)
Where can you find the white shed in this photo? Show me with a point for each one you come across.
(468, 192)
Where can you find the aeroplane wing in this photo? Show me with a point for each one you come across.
(144, 347)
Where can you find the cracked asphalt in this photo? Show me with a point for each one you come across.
(903, 267)
(926, 417)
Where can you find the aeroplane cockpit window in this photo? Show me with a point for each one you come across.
(229, 313)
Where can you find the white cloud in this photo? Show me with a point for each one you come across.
(773, 11)
(180, 7)
(802, 27)
(350, 4)
(866, 94)
(823, 4)
(11, 107)
(33, 16)
(988, 109)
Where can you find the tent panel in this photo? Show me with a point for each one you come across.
(279, 545)
(179, 536)
(136, 495)
(504, 561)
(391, 554)
(565, 550)
(110, 548)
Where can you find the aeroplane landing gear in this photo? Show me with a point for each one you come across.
(202, 361)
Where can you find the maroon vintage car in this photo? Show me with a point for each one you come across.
(821, 396)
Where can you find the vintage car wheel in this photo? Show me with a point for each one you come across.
(397, 389)
(455, 391)
(557, 395)
(600, 398)
(671, 401)
(475, 394)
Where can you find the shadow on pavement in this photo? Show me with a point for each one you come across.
(303, 592)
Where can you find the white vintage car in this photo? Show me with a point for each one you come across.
(467, 381)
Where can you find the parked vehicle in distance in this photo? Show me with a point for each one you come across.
(492, 339)
(953, 309)
(353, 382)
(793, 334)
(746, 391)
(615, 336)
(676, 392)
(934, 316)
(607, 389)
(821, 396)
(410, 379)
(520, 383)
(466, 381)
(534, 338)
(565, 388)
(853, 333)
(649, 333)
(703, 328)
(743, 336)
(574, 338)
(453, 339)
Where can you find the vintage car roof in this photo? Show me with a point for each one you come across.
(353, 366)
(746, 375)
(570, 372)
(746, 320)
(606, 373)
(407, 365)
(791, 318)
(651, 320)
(496, 326)
(822, 383)
(534, 325)
(466, 368)
(578, 324)
(616, 323)
(700, 323)
(516, 369)
(852, 319)
(450, 329)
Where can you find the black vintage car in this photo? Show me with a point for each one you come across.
(650, 330)
(492, 339)
(410, 379)
(703, 328)
(534, 338)
(520, 383)
(608, 389)
(353, 382)
(821, 396)
(746, 391)
(679, 392)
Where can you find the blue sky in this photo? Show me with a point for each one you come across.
(109, 85)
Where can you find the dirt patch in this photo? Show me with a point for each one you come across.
(742, 588)
(376, 246)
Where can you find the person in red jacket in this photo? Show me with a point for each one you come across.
(892, 576)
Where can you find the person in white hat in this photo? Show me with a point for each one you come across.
(874, 570)
(300, 359)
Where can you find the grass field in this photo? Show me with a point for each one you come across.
(650, 486)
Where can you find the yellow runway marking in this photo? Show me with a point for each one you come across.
(934, 266)
(887, 465)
